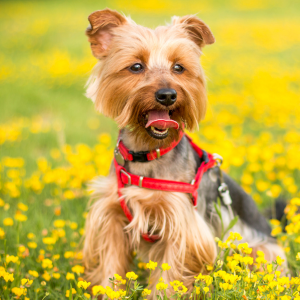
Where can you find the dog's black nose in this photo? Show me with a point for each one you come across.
(166, 96)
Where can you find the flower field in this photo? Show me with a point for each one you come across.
(52, 143)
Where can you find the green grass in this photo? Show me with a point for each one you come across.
(45, 60)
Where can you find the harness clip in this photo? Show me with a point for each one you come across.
(224, 193)
(118, 156)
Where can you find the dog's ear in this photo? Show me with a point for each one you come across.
(197, 30)
(100, 30)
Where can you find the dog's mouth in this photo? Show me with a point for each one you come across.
(158, 123)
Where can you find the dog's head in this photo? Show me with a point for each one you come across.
(148, 80)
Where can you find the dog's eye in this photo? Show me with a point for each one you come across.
(178, 69)
(136, 68)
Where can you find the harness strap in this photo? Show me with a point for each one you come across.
(126, 178)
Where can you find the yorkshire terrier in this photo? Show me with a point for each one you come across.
(152, 84)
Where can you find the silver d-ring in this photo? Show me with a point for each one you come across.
(217, 157)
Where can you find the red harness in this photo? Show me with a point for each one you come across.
(126, 178)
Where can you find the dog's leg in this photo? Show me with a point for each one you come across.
(106, 247)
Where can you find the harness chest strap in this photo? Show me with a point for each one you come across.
(126, 178)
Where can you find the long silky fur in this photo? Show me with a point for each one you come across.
(110, 239)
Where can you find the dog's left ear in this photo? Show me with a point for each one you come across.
(197, 30)
(100, 30)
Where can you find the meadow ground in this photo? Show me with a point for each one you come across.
(52, 142)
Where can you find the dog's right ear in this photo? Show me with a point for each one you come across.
(100, 30)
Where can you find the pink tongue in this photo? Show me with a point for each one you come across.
(160, 120)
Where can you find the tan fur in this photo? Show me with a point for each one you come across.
(103, 255)
(126, 97)
(110, 239)
(187, 242)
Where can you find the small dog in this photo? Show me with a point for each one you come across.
(151, 83)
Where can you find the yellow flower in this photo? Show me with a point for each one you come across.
(131, 275)
(69, 254)
(23, 281)
(298, 256)
(59, 223)
(222, 245)
(87, 295)
(68, 292)
(56, 257)
(146, 293)
(31, 235)
(46, 276)
(120, 279)
(2, 203)
(245, 248)
(276, 231)
(20, 217)
(2, 233)
(279, 260)
(73, 225)
(98, 289)
(165, 267)
(8, 222)
(225, 286)
(206, 289)
(112, 294)
(70, 276)
(178, 287)
(83, 284)
(275, 222)
(142, 265)
(19, 291)
(33, 273)
(26, 281)
(151, 265)
(161, 286)
(8, 277)
(47, 263)
(22, 206)
(11, 258)
(56, 275)
(49, 240)
(209, 267)
(32, 245)
(270, 268)
(78, 269)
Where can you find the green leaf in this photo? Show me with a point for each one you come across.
(231, 224)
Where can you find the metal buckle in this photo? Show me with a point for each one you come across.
(191, 195)
(218, 158)
(141, 181)
(157, 153)
(139, 156)
(127, 175)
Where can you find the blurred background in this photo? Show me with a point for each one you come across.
(52, 142)
(252, 70)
